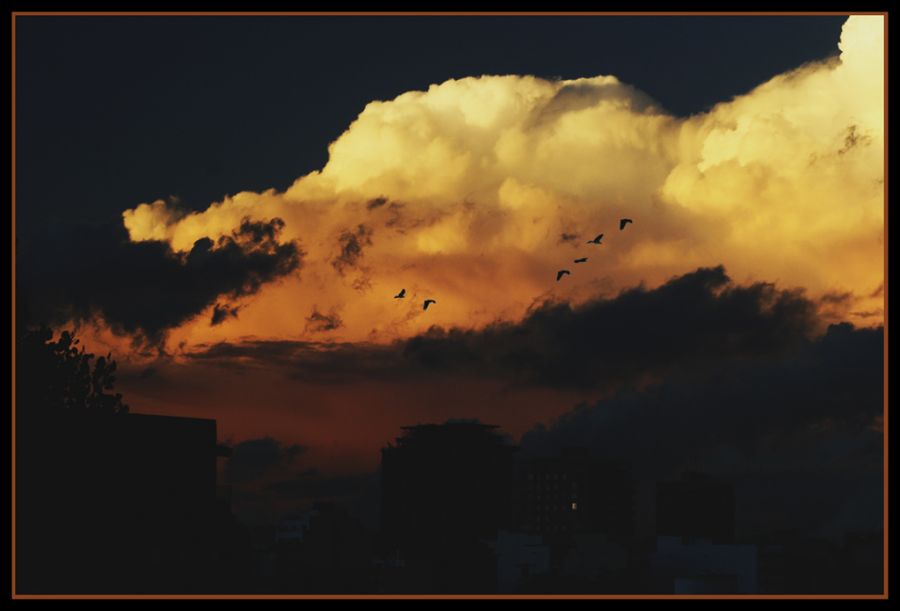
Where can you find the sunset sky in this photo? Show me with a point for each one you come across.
(229, 205)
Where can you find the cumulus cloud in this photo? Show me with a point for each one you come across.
(475, 185)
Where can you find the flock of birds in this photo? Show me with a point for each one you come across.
(597, 240)
(563, 272)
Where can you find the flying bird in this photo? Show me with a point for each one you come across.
(401, 294)
(562, 273)
(427, 303)
(581, 260)
(596, 240)
(623, 222)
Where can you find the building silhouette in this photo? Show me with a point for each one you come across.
(579, 507)
(323, 550)
(695, 506)
(446, 491)
(571, 492)
(699, 566)
(122, 503)
(695, 549)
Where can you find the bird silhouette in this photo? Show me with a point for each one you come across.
(581, 260)
(596, 240)
(401, 294)
(562, 273)
(427, 303)
(623, 222)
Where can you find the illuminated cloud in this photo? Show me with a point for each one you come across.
(700, 317)
(475, 191)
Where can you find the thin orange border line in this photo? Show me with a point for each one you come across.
(14, 595)
(459, 596)
(884, 418)
(439, 14)
(12, 242)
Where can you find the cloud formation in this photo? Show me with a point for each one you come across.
(800, 433)
(317, 321)
(472, 185)
(143, 289)
(638, 335)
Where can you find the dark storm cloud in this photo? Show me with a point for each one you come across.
(833, 381)
(696, 317)
(692, 319)
(144, 288)
(799, 433)
(351, 248)
(254, 458)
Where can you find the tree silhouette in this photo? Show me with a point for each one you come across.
(54, 375)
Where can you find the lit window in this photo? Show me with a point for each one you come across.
(574, 506)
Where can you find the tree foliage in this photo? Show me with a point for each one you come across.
(59, 374)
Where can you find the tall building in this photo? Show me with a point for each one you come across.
(323, 550)
(571, 492)
(696, 506)
(446, 490)
(117, 503)
(453, 479)
(698, 566)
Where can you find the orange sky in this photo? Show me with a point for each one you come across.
(461, 193)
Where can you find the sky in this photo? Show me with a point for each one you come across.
(229, 205)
